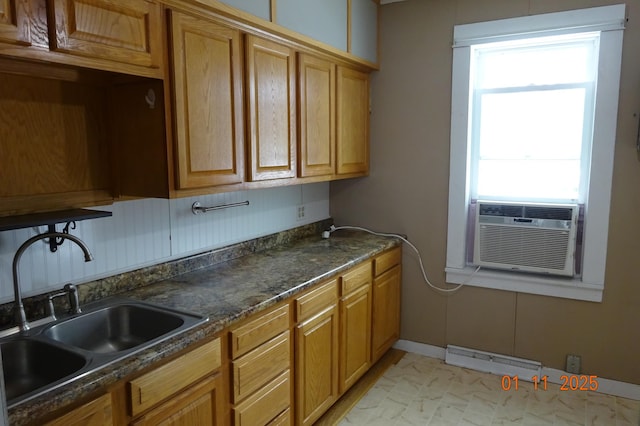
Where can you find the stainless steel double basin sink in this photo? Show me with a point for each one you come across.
(54, 354)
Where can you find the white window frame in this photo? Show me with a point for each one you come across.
(610, 21)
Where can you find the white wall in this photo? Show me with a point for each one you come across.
(149, 231)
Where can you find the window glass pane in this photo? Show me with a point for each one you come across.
(540, 124)
(532, 180)
(536, 65)
(530, 144)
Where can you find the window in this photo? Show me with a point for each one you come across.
(531, 111)
(534, 110)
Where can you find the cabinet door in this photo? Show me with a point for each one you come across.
(14, 22)
(355, 336)
(201, 404)
(117, 30)
(208, 109)
(272, 106)
(352, 122)
(386, 311)
(316, 82)
(94, 413)
(316, 378)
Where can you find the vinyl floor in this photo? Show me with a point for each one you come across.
(418, 390)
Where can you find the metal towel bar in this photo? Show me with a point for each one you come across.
(196, 208)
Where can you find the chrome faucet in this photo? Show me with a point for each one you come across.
(21, 316)
(74, 302)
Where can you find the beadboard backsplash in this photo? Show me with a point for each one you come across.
(149, 231)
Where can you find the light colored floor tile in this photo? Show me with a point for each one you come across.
(627, 411)
(571, 418)
(391, 407)
(509, 414)
(530, 419)
(471, 418)
(438, 421)
(424, 391)
(483, 403)
(449, 411)
(419, 412)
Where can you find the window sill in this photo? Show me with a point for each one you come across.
(567, 288)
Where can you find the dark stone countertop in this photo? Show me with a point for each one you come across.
(225, 292)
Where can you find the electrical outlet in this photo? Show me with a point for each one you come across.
(300, 212)
(573, 364)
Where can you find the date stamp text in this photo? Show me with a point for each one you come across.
(568, 382)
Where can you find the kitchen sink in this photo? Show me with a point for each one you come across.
(115, 328)
(54, 354)
(31, 364)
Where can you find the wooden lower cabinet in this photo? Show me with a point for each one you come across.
(185, 391)
(201, 404)
(386, 303)
(260, 350)
(355, 336)
(355, 324)
(283, 419)
(156, 386)
(285, 366)
(94, 413)
(266, 406)
(316, 372)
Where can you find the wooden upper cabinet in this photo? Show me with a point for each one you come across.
(352, 122)
(271, 77)
(208, 108)
(14, 22)
(126, 31)
(317, 86)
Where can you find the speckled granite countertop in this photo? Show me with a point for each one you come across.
(226, 292)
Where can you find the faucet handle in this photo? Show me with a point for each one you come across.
(51, 312)
(74, 301)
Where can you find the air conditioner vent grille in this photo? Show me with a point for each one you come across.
(542, 248)
(501, 210)
(556, 213)
(533, 212)
(531, 237)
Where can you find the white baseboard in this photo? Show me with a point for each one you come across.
(607, 386)
(420, 349)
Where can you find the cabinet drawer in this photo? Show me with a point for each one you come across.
(356, 277)
(258, 331)
(260, 366)
(265, 404)
(96, 412)
(283, 419)
(151, 388)
(387, 260)
(316, 300)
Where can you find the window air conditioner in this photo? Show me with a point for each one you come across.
(526, 237)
